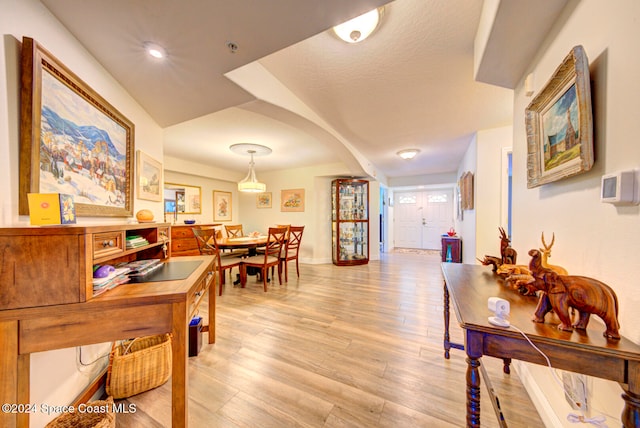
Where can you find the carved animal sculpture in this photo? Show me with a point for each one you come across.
(546, 253)
(518, 277)
(509, 255)
(491, 260)
(587, 295)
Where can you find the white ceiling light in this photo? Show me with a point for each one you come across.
(250, 183)
(408, 153)
(359, 28)
(155, 50)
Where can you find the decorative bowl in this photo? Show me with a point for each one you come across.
(189, 222)
(144, 216)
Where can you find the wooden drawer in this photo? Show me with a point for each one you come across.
(197, 293)
(181, 245)
(181, 232)
(108, 243)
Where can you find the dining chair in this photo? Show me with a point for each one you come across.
(203, 236)
(233, 230)
(270, 258)
(291, 250)
(261, 250)
(208, 244)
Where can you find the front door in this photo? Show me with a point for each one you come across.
(421, 217)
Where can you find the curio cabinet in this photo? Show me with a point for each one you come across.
(350, 221)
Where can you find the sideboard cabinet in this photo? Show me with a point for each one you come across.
(42, 266)
(183, 242)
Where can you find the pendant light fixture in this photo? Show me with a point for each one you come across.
(250, 183)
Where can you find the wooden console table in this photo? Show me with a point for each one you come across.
(587, 352)
(54, 265)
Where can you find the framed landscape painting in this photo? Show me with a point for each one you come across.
(560, 125)
(72, 141)
(148, 177)
(221, 206)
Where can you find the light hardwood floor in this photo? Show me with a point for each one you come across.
(356, 346)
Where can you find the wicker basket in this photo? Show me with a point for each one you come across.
(93, 419)
(138, 365)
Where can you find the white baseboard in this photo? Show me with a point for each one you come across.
(538, 397)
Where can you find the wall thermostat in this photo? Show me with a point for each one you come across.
(619, 188)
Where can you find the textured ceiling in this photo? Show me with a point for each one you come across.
(409, 85)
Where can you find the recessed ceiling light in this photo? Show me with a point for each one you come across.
(155, 50)
(408, 153)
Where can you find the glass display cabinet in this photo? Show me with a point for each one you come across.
(350, 221)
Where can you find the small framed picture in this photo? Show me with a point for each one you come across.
(148, 178)
(292, 200)
(263, 200)
(221, 206)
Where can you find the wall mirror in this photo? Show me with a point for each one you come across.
(182, 198)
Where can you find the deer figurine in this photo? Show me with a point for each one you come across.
(546, 253)
(508, 253)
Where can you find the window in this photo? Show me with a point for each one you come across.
(407, 198)
(435, 198)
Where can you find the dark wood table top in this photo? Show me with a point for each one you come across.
(470, 287)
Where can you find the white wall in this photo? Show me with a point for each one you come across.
(592, 239)
(466, 227)
(56, 376)
(488, 190)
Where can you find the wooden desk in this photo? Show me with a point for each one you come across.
(130, 310)
(586, 352)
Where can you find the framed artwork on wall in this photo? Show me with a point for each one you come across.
(560, 124)
(292, 200)
(72, 140)
(263, 200)
(466, 190)
(221, 206)
(149, 179)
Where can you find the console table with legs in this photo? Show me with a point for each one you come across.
(47, 301)
(468, 287)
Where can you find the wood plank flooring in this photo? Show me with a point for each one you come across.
(356, 346)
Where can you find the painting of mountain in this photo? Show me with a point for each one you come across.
(83, 151)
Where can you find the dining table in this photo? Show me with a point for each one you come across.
(249, 242)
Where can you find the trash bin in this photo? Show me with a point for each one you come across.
(195, 336)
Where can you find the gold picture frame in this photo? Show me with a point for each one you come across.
(292, 200)
(263, 200)
(560, 124)
(149, 180)
(72, 140)
(222, 206)
(188, 199)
